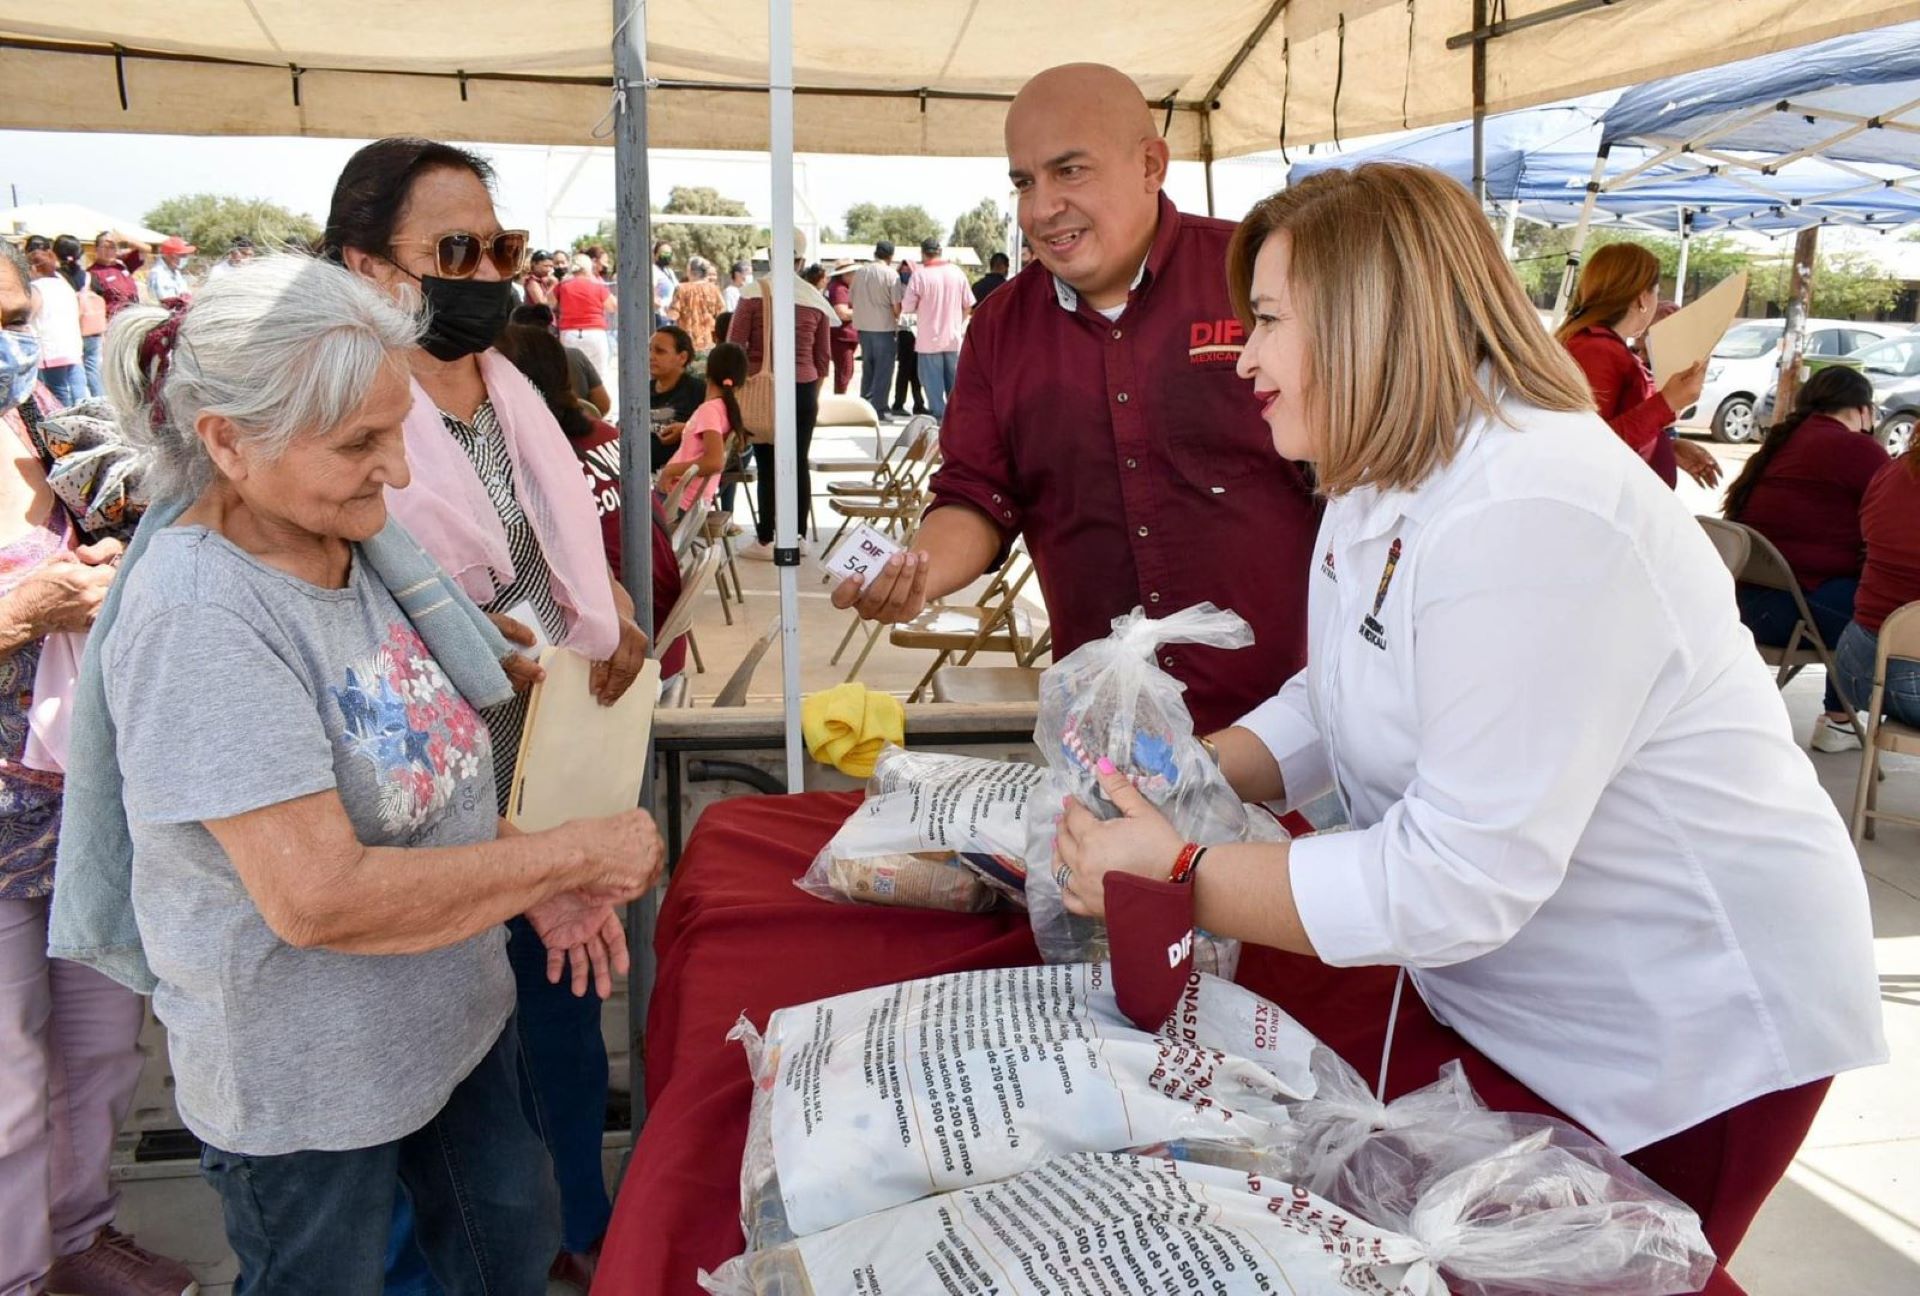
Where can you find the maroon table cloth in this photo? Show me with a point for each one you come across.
(735, 936)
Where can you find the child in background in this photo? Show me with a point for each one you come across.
(703, 443)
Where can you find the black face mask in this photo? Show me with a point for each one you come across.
(665, 262)
(464, 316)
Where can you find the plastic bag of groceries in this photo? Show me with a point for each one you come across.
(1504, 1202)
(1097, 1222)
(872, 1099)
(935, 832)
(1110, 699)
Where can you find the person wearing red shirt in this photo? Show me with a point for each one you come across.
(580, 303)
(1802, 490)
(1618, 298)
(112, 270)
(1096, 413)
(844, 339)
(813, 321)
(1890, 579)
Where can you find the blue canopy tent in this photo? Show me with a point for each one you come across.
(1825, 134)
(1538, 165)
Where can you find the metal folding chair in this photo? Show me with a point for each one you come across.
(1899, 640)
(1765, 567)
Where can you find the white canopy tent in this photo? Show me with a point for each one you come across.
(83, 223)
(836, 76)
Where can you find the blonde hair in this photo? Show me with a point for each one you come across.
(1403, 289)
(1610, 282)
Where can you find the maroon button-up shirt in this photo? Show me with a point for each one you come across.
(114, 281)
(1136, 463)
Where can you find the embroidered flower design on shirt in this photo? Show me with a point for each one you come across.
(399, 711)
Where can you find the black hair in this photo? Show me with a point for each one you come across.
(39, 243)
(722, 323)
(682, 340)
(998, 261)
(538, 354)
(372, 193)
(68, 249)
(883, 250)
(727, 370)
(1830, 391)
(535, 315)
(815, 274)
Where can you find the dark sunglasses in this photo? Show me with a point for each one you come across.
(457, 253)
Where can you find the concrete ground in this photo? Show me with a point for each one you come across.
(1846, 1219)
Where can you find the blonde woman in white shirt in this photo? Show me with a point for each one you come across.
(1582, 823)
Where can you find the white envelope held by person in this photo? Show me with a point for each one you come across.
(1690, 334)
(578, 759)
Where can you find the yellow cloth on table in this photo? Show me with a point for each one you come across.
(848, 726)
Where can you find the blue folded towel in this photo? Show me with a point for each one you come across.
(92, 920)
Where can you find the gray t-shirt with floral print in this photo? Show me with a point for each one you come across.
(234, 686)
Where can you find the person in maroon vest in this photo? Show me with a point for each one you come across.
(1095, 413)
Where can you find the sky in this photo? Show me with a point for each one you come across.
(557, 193)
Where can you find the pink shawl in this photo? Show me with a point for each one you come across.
(447, 509)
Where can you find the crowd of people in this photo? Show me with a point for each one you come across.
(358, 483)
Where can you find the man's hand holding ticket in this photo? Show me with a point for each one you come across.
(886, 582)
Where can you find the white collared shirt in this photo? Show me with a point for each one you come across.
(1585, 825)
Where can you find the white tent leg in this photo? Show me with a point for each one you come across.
(1571, 275)
(1507, 228)
(1680, 267)
(788, 508)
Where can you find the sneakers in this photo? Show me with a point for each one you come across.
(1829, 736)
(115, 1265)
(755, 551)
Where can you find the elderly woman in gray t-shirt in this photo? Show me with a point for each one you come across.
(320, 876)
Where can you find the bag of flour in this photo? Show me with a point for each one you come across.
(879, 1097)
(1091, 1222)
(935, 832)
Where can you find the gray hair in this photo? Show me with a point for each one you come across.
(285, 346)
(699, 268)
(13, 256)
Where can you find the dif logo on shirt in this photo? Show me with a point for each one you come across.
(1215, 343)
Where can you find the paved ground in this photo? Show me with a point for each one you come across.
(1847, 1218)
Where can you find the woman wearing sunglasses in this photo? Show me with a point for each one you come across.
(497, 498)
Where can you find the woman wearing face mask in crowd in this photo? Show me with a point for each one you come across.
(498, 500)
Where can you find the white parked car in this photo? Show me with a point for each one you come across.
(1745, 367)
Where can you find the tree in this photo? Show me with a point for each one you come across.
(212, 221)
(984, 229)
(1540, 254)
(1846, 285)
(904, 227)
(720, 244)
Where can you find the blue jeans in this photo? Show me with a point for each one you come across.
(563, 1093)
(876, 369)
(936, 375)
(1771, 615)
(90, 362)
(318, 1222)
(68, 383)
(1855, 655)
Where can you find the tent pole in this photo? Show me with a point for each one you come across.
(1206, 153)
(635, 318)
(1508, 228)
(1571, 274)
(1805, 248)
(1480, 105)
(1680, 268)
(789, 519)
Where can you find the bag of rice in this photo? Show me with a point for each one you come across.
(870, 1099)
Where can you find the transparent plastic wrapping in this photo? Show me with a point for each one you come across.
(935, 832)
(868, 1100)
(1098, 1223)
(1110, 699)
(1505, 1203)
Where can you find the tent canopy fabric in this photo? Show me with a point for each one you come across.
(1804, 98)
(871, 76)
(1543, 158)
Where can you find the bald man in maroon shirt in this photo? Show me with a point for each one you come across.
(1097, 413)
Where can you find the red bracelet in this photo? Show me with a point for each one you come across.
(1186, 862)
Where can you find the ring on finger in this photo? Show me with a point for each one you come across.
(1063, 875)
